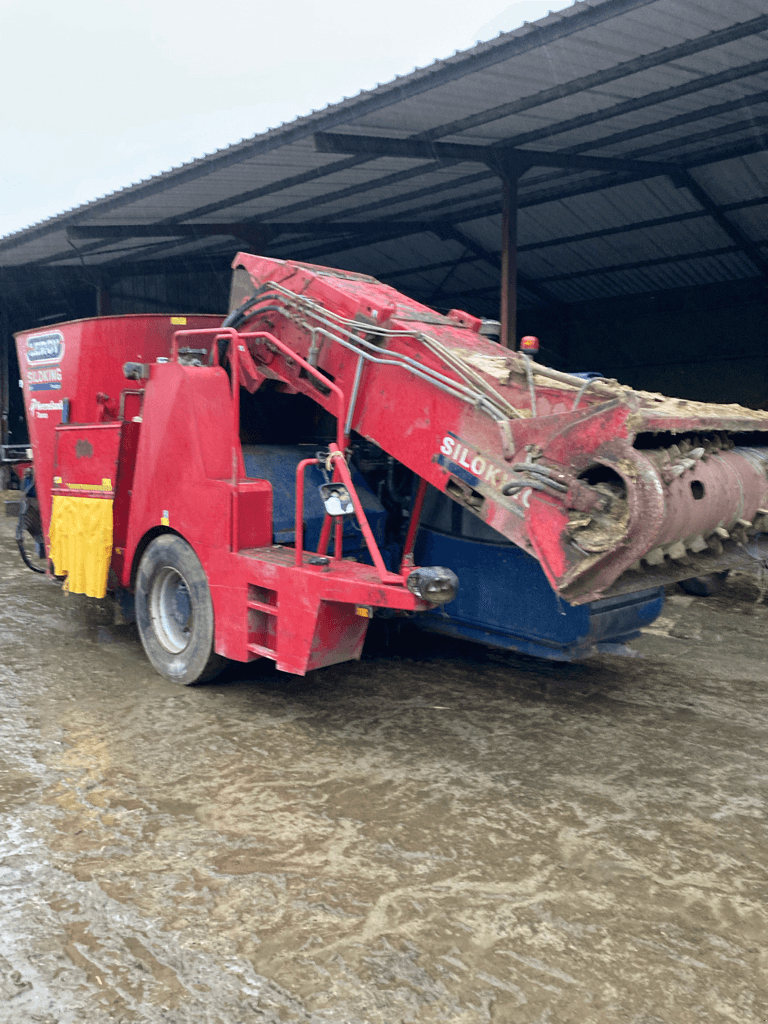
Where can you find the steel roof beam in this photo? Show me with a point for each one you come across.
(486, 209)
(493, 156)
(462, 182)
(753, 124)
(703, 43)
(645, 62)
(562, 190)
(402, 88)
(747, 246)
(654, 127)
(639, 103)
(249, 232)
(657, 261)
(635, 66)
(330, 229)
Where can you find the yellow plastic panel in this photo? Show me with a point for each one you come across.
(81, 543)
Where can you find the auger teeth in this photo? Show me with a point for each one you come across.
(715, 545)
(676, 551)
(655, 557)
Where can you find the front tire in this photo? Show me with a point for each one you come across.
(174, 612)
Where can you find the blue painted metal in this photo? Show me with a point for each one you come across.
(277, 463)
(505, 601)
(504, 598)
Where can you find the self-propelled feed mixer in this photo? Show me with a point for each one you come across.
(262, 487)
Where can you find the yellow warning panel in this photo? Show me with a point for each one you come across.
(81, 542)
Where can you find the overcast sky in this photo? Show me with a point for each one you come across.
(98, 94)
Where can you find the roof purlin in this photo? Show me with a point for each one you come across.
(710, 40)
(402, 88)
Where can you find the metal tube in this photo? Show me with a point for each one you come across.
(299, 543)
(325, 535)
(337, 323)
(353, 399)
(413, 526)
(509, 261)
(531, 385)
(343, 470)
(340, 434)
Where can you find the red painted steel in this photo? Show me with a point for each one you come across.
(78, 361)
(487, 425)
(605, 486)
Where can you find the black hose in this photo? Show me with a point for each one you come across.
(23, 508)
(237, 316)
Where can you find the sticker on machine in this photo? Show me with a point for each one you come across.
(45, 348)
(40, 410)
(44, 353)
(476, 467)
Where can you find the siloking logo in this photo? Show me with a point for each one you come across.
(45, 348)
(45, 351)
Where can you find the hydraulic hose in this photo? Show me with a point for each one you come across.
(20, 527)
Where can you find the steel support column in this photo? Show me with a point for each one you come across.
(5, 330)
(508, 303)
(103, 300)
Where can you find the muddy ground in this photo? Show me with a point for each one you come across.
(443, 835)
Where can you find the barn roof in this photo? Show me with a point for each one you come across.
(638, 127)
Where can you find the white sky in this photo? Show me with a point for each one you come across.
(98, 94)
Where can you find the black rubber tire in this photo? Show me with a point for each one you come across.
(174, 612)
(704, 586)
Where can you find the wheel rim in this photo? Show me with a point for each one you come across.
(170, 607)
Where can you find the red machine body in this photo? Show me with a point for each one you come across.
(80, 363)
(609, 488)
(136, 428)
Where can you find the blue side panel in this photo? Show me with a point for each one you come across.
(506, 601)
(277, 463)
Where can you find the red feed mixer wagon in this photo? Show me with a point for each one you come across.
(162, 446)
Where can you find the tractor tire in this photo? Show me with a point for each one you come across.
(174, 612)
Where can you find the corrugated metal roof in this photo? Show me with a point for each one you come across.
(681, 85)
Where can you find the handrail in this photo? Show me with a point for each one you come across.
(340, 467)
(341, 431)
(336, 450)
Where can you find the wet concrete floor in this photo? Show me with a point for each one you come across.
(447, 835)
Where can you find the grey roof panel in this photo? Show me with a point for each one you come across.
(678, 82)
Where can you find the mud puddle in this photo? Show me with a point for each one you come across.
(432, 835)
